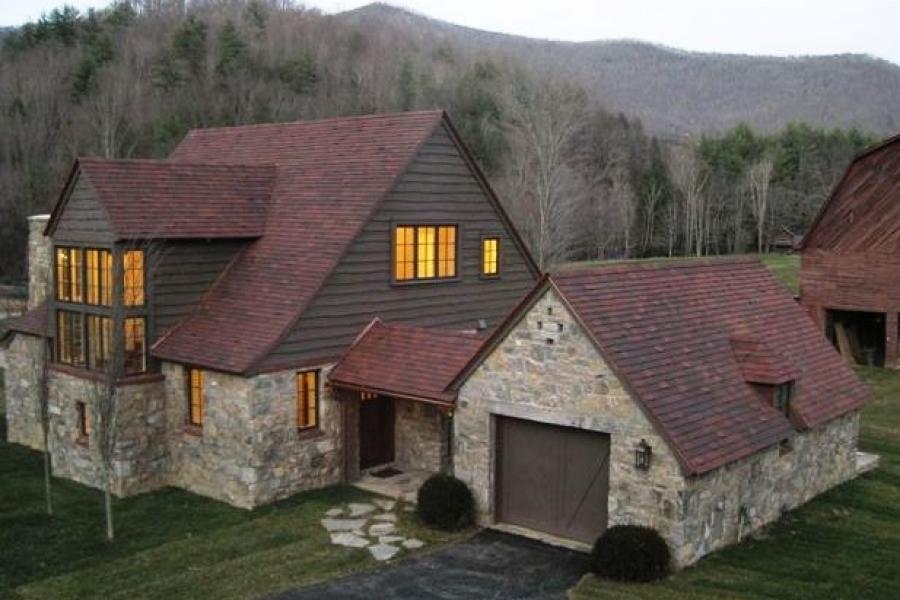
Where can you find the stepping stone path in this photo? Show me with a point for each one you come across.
(370, 525)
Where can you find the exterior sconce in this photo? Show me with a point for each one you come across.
(642, 456)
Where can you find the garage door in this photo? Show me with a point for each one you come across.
(552, 479)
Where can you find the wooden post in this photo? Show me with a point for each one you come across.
(890, 339)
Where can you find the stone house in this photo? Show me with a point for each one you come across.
(291, 306)
(849, 259)
(695, 397)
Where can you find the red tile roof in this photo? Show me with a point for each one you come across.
(332, 175)
(667, 330)
(33, 322)
(165, 199)
(759, 363)
(406, 361)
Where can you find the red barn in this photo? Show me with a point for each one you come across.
(850, 275)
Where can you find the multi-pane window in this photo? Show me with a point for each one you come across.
(84, 421)
(69, 268)
(195, 397)
(307, 399)
(99, 276)
(135, 345)
(782, 400)
(490, 256)
(424, 252)
(133, 271)
(70, 346)
(99, 337)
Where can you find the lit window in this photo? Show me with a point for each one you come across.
(782, 400)
(135, 354)
(70, 338)
(490, 256)
(99, 276)
(195, 397)
(307, 399)
(424, 252)
(98, 341)
(69, 266)
(133, 270)
(84, 421)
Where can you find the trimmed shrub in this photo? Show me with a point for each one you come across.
(445, 502)
(631, 553)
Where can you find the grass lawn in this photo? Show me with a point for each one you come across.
(171, 544)
(842, 545)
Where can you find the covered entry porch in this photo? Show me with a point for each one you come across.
(398, 416)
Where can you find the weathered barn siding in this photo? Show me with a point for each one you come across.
(83, 221)
(184, 271)
(437, 187)
(857, 281)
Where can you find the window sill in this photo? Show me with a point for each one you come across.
(309, 433)
(83, 441)
(193, 430)
(433, 281)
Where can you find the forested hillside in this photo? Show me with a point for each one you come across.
(582, 181)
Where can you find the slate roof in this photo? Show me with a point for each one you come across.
(667, 330)
(406, 361)
(152, 199)
(331, 176)
(33, 322)
(760, 363)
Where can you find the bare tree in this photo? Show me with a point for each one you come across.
(759, 176)
(691, 183)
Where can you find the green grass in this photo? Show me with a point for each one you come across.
(170, 544)
(842, 545)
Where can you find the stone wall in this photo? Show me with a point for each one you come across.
(567, 383)
(22, 377)
(249, 451)
(755, 491)
(140, 461)
(39, 260)
(422, 436)
(564, 383)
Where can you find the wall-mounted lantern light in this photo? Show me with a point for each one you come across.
(642, 456)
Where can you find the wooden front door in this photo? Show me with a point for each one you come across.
(376, 432)
(552, 479)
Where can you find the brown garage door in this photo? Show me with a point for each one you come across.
(552, 479)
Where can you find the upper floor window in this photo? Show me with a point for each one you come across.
(133, 270)
(195, 398)
(99, 276)
(69, 267)
(490, 256)
(782, 399)
(307, 399)
(424, 252)
(135, 345)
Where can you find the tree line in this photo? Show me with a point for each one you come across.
(581, 182)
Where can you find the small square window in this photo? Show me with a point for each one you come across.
(84, 421)
(782, 398)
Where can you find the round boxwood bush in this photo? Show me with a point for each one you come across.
(630, 553)
(445, 502)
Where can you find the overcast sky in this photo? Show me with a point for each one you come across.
(778, 27)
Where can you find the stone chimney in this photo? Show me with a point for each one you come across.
(39, 260)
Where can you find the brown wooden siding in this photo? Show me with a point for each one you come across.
(184, 271)
(83, 220)
(855, 281)
(437, 187)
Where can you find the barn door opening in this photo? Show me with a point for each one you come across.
(859, 336)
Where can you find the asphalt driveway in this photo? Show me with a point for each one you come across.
(489, 565)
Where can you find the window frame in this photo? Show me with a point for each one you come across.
(301, 400)
(436, 263)
(189, 421)
(144, 357)
(497, 262)
(75, 326)
(84, 422)
(130, 298)
(783, 405)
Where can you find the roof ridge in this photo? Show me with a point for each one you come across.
(438, 330)
(372, 116)
(573, 269)
(176, 163)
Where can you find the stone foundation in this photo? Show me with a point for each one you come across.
(22, 378)
(567, 383)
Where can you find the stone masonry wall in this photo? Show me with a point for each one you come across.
(565, 383)
(140, 460)
(249, 451)
(39, 259)
(755, 491)
(22, 390)
(421, 434)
